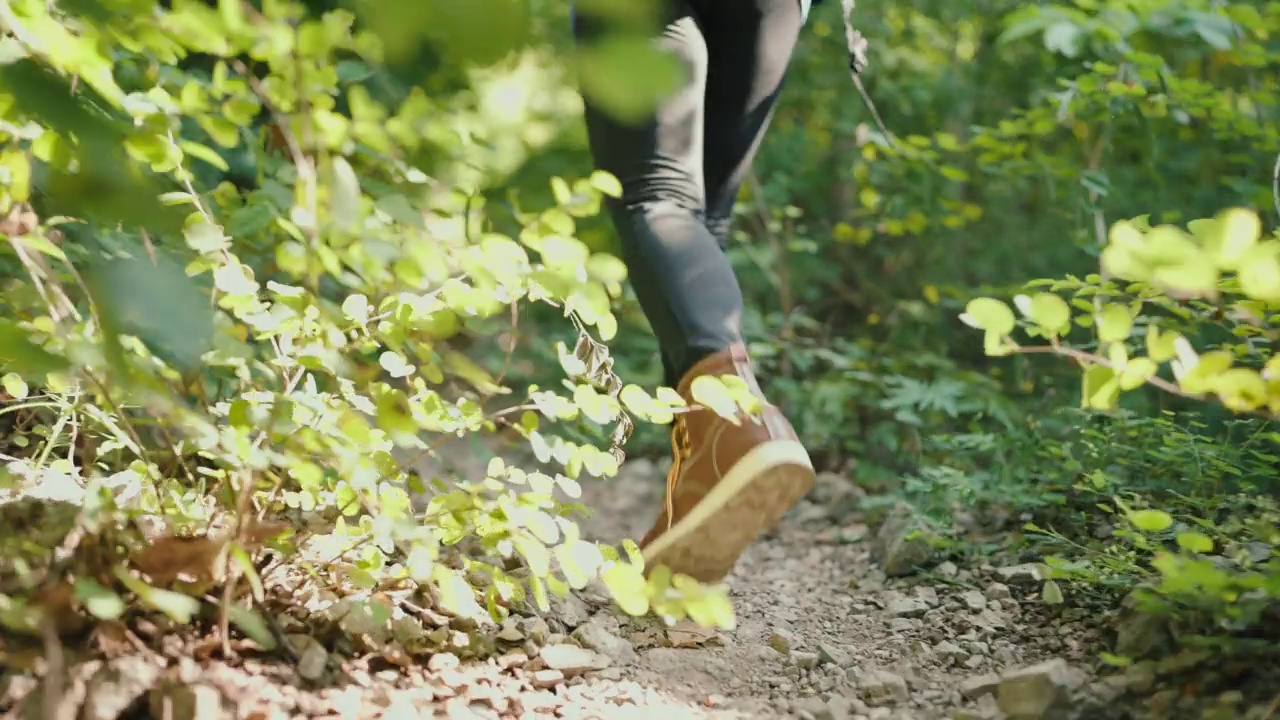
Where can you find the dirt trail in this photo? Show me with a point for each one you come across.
(822, 635)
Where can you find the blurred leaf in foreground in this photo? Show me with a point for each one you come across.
(157, 303)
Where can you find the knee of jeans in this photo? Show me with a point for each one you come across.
(660, 208)
(719, 227)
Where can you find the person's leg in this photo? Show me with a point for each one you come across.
(685, 284)
(730, 481)
(756, 34)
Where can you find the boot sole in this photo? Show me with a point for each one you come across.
(751, 498)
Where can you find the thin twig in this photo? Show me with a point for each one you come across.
(1085, 357)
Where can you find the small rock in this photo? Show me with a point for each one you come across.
(950, 650)
(1039, 692)
(596, 635)
(114, 687)
(443, 661)
(880, 687)
(906, 607)
(974, 600)
(781, 640)
(512, 660)
(570, 610)
(547, 679)
(947, 569)
(902, 624)
(805, 660)
(1020, 575)
(998, 591)
(189, 702)
(572, 660)
(980, 685)
(898, 547)
(815, 707)
(928, 594)
(313, 659)
(834, 655)
(510, 632)
(536, 629)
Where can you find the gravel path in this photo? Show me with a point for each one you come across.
(822, 635)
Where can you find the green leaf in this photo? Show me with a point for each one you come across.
(1100, 388)
(1051, 593)
(1050, 312)
(1195, 542)
(1259, 272)
(19, 353)
(205, 153)
(395, 364)
(606, 183)
(1114, 323)
(710, 392)
(206, 237)
(15, 386)
(99, 601)
(356, 307)
(345, 194)
(627, 584)
(181, 608)
(989, 314)
(1115, 660)
(157, 303)
(456, 595)
(252, 624)
(1151, 521)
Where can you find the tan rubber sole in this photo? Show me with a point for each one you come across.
(751, 498)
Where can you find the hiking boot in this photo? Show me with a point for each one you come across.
(728, 483)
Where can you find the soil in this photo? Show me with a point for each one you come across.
(822, 634)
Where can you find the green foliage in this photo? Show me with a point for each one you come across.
(1017, 136)
(254, 268)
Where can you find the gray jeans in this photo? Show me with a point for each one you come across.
(681, 168)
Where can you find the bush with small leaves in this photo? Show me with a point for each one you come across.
(261, 354)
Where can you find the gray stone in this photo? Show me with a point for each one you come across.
(974, 600)
(115, 686)
(536, 629)
(880, 687)
(781, 640)
(547, 679)
(835, 655)
(950, 650)
(596, 635)
(1020, 575)
(906, 607)
(805, 660)
(979, 685)
(928, 594)
(1039, 692)
(899, 547)
(573, 660)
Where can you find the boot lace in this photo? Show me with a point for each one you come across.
(680, 449)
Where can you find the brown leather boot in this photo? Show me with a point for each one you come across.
(728, 483)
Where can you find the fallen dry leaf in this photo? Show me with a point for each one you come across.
(687, 634)
(196, 560)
